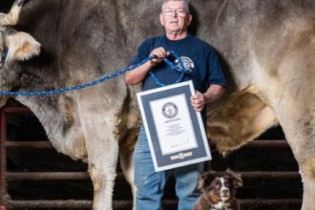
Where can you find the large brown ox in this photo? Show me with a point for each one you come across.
(268, 48)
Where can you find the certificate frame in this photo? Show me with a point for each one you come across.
(175, 131)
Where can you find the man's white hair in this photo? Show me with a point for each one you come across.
(186, 4)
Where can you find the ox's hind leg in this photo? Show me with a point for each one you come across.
(303, 147)
(296, 114)
(300, 134)
(309, 187)
(291, 94)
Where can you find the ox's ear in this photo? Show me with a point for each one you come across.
(21, 46)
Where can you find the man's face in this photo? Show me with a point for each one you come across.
(174, 17)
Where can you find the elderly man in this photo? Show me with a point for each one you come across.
(203, 68)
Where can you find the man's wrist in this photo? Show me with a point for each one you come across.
(206, 98)
(150, 64)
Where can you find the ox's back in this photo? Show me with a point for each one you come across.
(240, 30)
(110, 32)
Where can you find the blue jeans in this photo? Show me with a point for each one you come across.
(150, 184)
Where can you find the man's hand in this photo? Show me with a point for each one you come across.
(198, 101)
(159, 54)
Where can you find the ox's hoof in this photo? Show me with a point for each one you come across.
(20, 2)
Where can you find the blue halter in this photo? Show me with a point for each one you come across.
(4, 55)
(180, 69)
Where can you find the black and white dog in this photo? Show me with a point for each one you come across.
(218, 191)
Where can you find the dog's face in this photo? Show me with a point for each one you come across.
(220, 188)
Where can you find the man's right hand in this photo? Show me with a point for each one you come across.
(159, 54)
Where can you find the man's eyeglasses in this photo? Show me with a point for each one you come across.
(178, 12)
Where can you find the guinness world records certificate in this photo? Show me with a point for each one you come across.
(175, 131)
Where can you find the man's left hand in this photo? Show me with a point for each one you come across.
(198, 101)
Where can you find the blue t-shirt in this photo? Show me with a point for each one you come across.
(199, 58)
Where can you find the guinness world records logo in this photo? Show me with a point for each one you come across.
(169, 110)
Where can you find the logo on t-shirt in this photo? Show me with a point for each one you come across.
(188, 63)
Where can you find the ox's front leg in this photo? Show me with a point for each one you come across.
(102, 160)
(102, 150)
(127, 166)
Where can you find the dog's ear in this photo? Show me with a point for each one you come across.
(237, 178)
(205, 180)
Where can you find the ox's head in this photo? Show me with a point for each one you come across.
(14, 47)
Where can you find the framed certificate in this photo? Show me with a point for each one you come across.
(175, 131)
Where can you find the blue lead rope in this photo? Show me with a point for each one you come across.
(95, 82)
